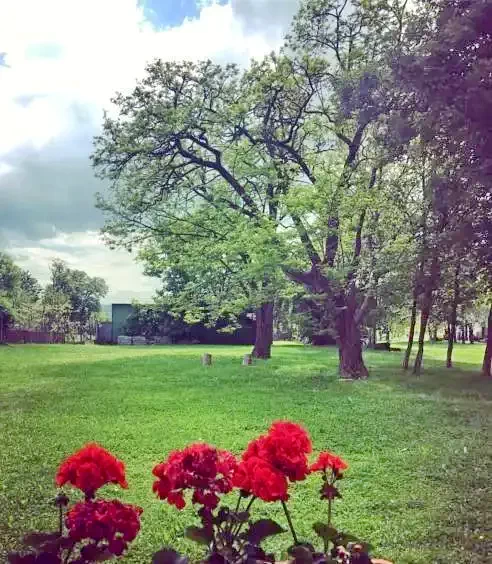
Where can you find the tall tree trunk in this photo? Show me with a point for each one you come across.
(264, 331)
(351, 364)
(463, 334)
(373, 336)
(424, 318)
(471, 336)
(453, 317)
(487, 357)
(411, 334)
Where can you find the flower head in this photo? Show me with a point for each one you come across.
(91, 468)
(111, 524)
(285, 448)
(327, 460)
(202, 468)
(258, 477)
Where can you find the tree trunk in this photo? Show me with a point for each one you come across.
(463, 334)
(434, 334)
(264, 331)
(453, 318)
(487, 357)
(471, 336)
(449, 353)
(424, 318)
(413, 319)
(351, 364)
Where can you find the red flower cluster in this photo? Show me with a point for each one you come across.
(110, 522)
(260, 478)
(328, 460)
(202, 468)
(91, 468)
(271, 459)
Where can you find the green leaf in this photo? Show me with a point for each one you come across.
(240, 517)
(199, 535)
(168, 556)
(325, 532)
(301, 554)
(262, 529)
(344, 539)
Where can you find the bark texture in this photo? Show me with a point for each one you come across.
(411, 334)
(264, 331)
(351, 363)
(487, 358)
(453, 317)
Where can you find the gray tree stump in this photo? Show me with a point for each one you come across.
(207, 359)
(247, 360)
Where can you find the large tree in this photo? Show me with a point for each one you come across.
(19, 294)
(328, 110)
(295, 143)
(183, 149)
(72, 298)
(449, 84)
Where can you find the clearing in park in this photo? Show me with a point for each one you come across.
(419, 451)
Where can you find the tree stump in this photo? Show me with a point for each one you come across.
(207, 359)
(247, 360)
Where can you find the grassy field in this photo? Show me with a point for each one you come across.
(419, 450)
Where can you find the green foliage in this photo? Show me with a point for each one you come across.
(19, 293)
(72, 299)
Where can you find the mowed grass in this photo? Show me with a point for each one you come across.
(419, 450)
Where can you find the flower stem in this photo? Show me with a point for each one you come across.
(60, 520)
(248, 507)
(289, 520)
(238, 504)
(329, 512)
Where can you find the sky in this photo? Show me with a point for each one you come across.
(60, 63)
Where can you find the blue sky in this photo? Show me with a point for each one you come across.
(171, 13)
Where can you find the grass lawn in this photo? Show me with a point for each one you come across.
(420, 455)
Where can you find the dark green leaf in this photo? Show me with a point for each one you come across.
(216, 558)
(199, 535)
(262, 529)
(168, 556)
(36, 539)
(16, 558)
(364, 546)
(241, 516)
(301, 554)
(344, 539)
(325, 532)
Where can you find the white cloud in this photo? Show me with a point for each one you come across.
(65, 60)
(85, 251)
(98, 47)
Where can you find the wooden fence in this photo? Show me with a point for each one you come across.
(28, 336)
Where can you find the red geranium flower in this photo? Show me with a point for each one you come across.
(285, 448)
(258, 477)
(202, 468)
(91, 468)
(109, 524)
(328, 460)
